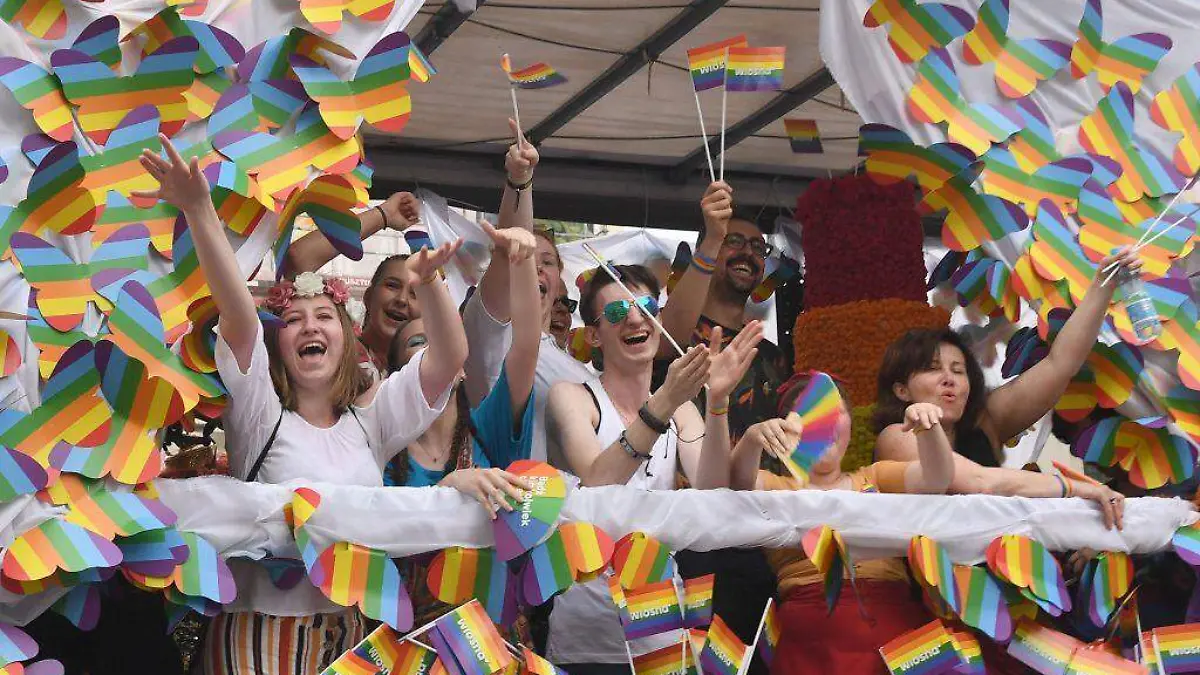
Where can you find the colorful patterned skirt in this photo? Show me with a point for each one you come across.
(247, 643)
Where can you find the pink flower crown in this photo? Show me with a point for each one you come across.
(306, 285)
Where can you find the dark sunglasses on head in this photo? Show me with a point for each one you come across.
(758, 247)
(566, 303)
(616, 311)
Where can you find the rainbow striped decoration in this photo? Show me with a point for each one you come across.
(353, 575)
(20, 474)
(43, 19)
(936, 97)
(458, 574)
(1178, 648)
(768, 638)
(928, 650)
(56, 545)
(588, 549)
(1056, 255)
(1041, 648)
(640, 559)
(217, 50)
(1108, 224)
(826, 549)
(819, 408)
(154, 552)
(1109, 130)
(383, 652)
(916, 28)
(39, 93)
(80, 606)
(1183, 405)
(1096, 661)
(1117, 368)
(1176, 108)
(933, 569)
(651, 610)
(1152, 456)
(723, 652)
(969, 651)
(698, 601)
(328, 200)
(972, 219)
(1186, 543)
(1027, 564)
(103, 98)
(803, 135)
(10, 354)
(378, 93)
(780, 269)
(326, 15)
(707, 62)
(892, 156)
(1124, 61)
(466, 638)
(56, 199)
(536, 76)
(547, 571)
(754, 68)
(107, 513)
(532, 664)
(981, 602)
(1059, 181)
(1020, 64)
(15, 644)
(674, 659)
(1184, 338)
(533, 519)
(1107, 578)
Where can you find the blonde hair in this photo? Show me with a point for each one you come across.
(349, 380)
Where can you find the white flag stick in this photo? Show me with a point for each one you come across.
(632, 298)
(712, 176)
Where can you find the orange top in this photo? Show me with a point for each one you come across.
(793, 569)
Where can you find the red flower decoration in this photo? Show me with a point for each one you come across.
(337, 289)
(280, 296)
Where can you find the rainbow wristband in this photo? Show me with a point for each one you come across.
(703, 264)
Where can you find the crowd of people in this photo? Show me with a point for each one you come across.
(431, 394)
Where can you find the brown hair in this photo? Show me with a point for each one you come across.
(349, 380)
(548, 235)
(377, 278)
(914, 352)
(630, 275)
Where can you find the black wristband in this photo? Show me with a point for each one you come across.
(518, 187)
(630, 450)
(656, 425)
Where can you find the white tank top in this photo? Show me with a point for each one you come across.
(584, 626)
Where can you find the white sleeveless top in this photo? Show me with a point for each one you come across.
(584, 626)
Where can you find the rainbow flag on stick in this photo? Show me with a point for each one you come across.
(1096, 661)
(707, 63)
(1043, 649)
(928, 650)
(651, 610)
(467, 638)
(383, 653)
(804, 137)
(698, 601)
(754, 68)
(1178, 647)
(537, 76)
(769, 634)
(723, 652)
(674, 659)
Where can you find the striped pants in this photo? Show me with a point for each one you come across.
(246, 643)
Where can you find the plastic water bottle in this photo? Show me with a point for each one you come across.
(1138, 305)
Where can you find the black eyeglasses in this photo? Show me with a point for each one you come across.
(758, 247)
(566, 303)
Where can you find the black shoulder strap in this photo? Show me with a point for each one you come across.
(262, 456)
(596, 402)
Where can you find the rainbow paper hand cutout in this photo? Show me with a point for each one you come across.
(56, 545)
(1020, 64)
(914, 29)
(1126, 60)
(1109, 130)
(328, 200)
(326, 15)
(936, 97)
(1177, 108)
(458, 574)
(532, 520)
(892, 156)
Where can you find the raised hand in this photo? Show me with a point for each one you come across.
(921, 417)
(1126, 257)
(515, 242)
(777, 436)
(729, 365)
(402, 209)
(490, 487)
(180, 183)
(426, 262)
(717, 207)
(686, 376)
(522, 157)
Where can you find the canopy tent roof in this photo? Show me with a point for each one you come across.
(620, 140)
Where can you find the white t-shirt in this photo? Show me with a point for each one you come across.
(489, 341)
(584, 625)
(351, 452)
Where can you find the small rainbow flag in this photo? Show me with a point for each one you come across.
(804, 136)
(536, 665)
(1097, 661)
(674, 659)
(537, 76)
(928, 650)
(768, 639)
(383, 652)
(707, 63)
(969, 651)
(1043, 649)
(723, 651)
(1179, 648)
(698, 601)
(467, 638)
(651, 610)
(755, 68)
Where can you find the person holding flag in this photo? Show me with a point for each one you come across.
(613, 430)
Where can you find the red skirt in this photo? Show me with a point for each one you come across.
(814, 642)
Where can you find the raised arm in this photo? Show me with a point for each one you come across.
(778, 436)
(1015, 406)
(574, 433)
(182, 185)
(447, 350)
(970, 478)
(517, 246)
(934, 470)
(686, 303)
(309, 253)
(516, 211)
(704, 451)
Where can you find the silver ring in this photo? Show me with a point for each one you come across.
(1112, 500)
